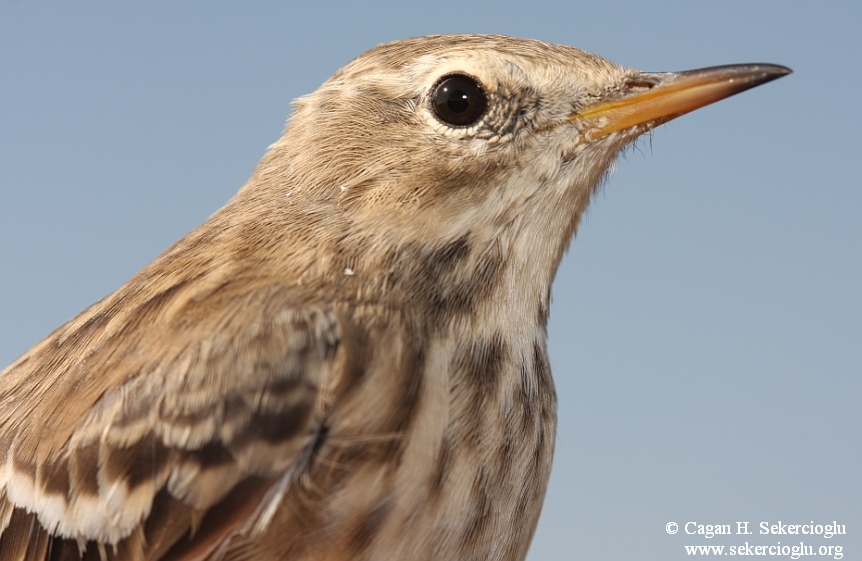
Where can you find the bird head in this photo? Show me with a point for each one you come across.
(491, 143)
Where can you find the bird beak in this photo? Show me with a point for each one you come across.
(669, 95)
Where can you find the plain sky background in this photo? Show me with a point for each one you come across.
(706, 329)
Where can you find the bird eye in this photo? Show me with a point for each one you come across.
(459, 100)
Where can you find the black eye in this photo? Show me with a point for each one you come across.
(459, 100)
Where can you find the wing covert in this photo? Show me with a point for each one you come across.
(163, 413)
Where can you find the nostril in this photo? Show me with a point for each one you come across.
(636, 83)
(645, 80)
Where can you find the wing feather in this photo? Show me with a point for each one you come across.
(123, 429)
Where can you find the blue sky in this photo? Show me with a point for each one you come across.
(706, 329)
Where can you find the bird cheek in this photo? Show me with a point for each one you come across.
(565, 142)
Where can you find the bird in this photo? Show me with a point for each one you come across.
(349, 359)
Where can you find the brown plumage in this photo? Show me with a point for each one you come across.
(348, 360)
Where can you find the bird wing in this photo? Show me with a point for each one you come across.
(122, 430)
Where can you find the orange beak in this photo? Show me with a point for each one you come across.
(671, 94)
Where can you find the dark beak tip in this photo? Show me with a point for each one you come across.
(775, 70)
(745, 76)
(769, 72)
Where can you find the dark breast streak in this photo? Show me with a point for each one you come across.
(369, 490)
(405, 380)
(501, 437)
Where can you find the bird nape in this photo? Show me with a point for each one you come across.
(348, 360)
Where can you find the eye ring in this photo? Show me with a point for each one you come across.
(459, 100)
